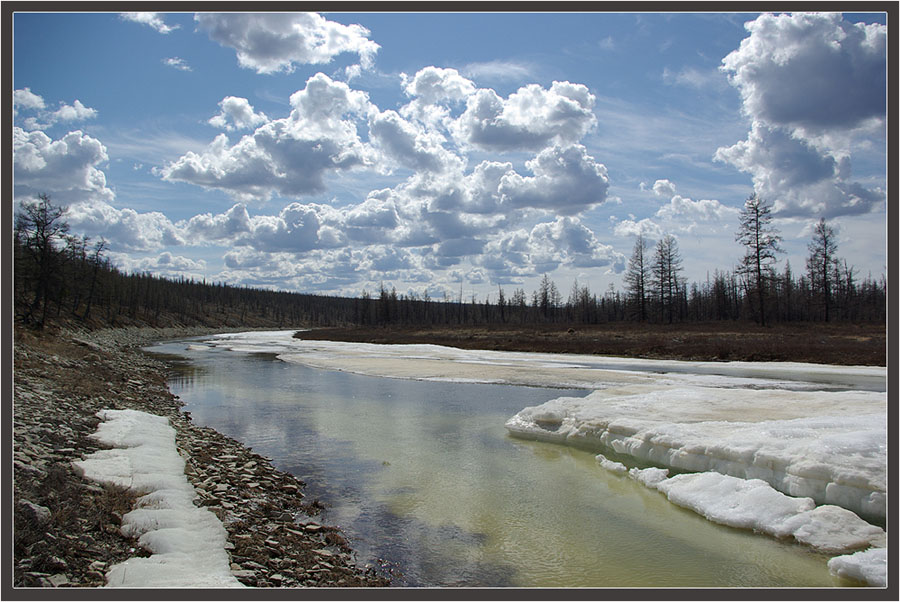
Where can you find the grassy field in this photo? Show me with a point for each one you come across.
(842, 344)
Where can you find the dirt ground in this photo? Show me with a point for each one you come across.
(840, 344)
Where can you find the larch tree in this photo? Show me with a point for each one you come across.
(761, 243)
(637, 277)
(822, 262)
(667, 264)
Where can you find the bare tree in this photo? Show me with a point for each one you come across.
(761, 241)
(666, 267)
(822, 262)
(637, 276)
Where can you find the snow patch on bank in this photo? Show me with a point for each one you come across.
(187, 542)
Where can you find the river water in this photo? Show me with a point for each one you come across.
(427, 484)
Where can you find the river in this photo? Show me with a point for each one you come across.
(427, 484)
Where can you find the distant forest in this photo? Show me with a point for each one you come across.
(61, 278)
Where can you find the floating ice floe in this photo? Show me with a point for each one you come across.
(187, 542)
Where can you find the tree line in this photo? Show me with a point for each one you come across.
(60, 277)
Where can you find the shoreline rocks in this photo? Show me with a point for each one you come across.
(67, 528)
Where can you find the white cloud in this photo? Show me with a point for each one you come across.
(663, 188)
(169, 264)
(433, 85)
(287, 156)
(681, 208)
(531, 118)
(567, 181)
(223, 227)
(151, 19)
(411, 146)
(26, 99)
(74, 112)
(810, 71)
(631, 227)
(800, 179)
(575, 244)
(814, 87)
(177, 63)
(272, 42)
(66, 169)
(124, 228)
(237, 113)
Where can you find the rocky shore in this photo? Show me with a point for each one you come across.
(67, 528)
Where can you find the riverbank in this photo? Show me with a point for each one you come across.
(811, 342)
(67, 528)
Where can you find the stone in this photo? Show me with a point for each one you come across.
(37, 513)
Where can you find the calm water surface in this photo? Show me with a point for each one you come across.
(425, 481)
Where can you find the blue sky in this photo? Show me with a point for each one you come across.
(331, 152)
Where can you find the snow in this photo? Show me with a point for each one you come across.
(869, 567)
(830, 446)
(610, 465)
(187, 542)
(754, 504)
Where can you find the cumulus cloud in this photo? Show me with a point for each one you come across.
(237, 113)
(800, 178)
(124, 228)
(663, 188)
(27, 101)
(531, 118)
(814, 88)
(66, 169)
(410, 146)
(289, 156)
(434, 85)
(151, 19)
(681, 208)
(646, 227)
(546, 246)
(566, 180)
(779, 71)
(169, 264)
(272, 42)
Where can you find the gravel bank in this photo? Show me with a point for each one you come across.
(67, 528)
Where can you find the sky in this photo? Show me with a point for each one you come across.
(449, 153)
